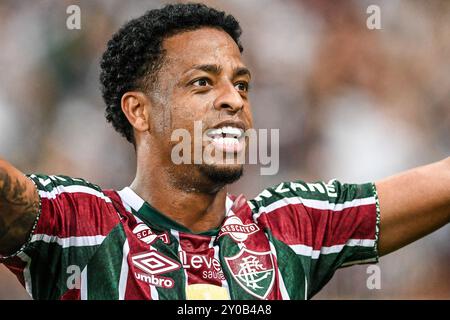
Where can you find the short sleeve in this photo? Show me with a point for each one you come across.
(75, 217)
(328, 225)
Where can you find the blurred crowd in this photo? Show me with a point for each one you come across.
(351, 103)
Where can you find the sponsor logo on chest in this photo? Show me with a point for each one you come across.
(237, 230)
(209, 267)
(145, 234)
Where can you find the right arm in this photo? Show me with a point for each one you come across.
(75, 217)
(19, 206)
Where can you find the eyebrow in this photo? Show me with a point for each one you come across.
(216, 69)
(242, 71)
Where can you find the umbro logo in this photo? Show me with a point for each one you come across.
(153, 264)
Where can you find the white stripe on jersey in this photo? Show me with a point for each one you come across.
(228, 205)
(84, 285)
(313, 204)
(154, 293)
(130, 197)
(72, 189)
(69, 241)
(306, 288)
(26, 272)
(314, 254)
(124, 271)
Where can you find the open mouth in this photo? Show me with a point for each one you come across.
(227, 138)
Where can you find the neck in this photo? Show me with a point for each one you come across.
(196, 211)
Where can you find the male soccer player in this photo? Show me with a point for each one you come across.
(175, 232)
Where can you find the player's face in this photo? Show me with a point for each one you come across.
(203, 80)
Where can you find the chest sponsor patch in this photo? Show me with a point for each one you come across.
(145, 234)
(237, 230)
(208, 268)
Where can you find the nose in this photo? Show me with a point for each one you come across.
(229, 99)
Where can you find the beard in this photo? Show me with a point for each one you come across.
(204, 178)
(222, 175)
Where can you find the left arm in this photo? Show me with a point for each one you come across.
(413, 204)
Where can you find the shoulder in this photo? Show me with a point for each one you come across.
(66, 200)
(57, 186)
(322, 195)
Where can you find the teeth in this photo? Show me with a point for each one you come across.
(215, 132)
(226, 140)
(231, 131)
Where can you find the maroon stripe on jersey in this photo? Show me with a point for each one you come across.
(293, 224)
(76, 215)
(72, 294)
(126, 216)
(242, 210)
(198, 260)
(194, 242)
(135, 289)
(16, 266)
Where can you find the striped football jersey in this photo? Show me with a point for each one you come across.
(286, 243)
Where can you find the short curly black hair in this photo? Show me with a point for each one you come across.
(134, 54)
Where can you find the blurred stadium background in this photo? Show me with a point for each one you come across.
(352, 104)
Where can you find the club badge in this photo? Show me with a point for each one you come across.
(254, 271)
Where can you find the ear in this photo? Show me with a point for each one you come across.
(136, 107)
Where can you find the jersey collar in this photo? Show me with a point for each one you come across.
(152, 216)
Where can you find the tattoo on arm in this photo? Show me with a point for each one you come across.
(19, 205)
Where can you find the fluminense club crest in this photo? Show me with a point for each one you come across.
(254, 271)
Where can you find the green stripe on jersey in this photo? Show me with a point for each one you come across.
(292, 268)
(53, 269)
(103, 270)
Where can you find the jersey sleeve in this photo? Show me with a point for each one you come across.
(75, 217)
(327, 225)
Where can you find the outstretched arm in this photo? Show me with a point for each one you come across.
(19, 205)
(413, 204)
